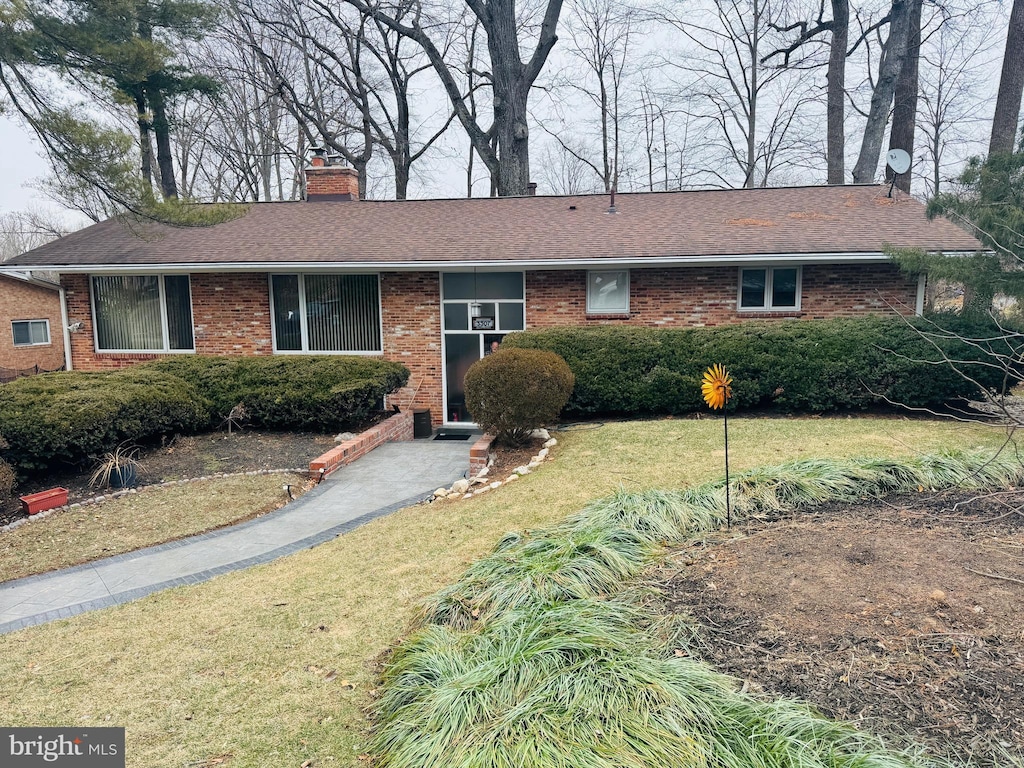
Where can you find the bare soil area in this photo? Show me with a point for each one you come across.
(905, 615)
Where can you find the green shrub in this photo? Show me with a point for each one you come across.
(810, 366)
(64, 418)
(321, 392)
(513, 391)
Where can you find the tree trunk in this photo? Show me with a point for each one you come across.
(164, 155)
(145, 143)
(904, 112)
(1011, 86)
(881, 99)
(836, 78)
(510, 97)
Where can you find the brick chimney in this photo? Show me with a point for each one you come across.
(328, 180)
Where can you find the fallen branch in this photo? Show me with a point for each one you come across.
(994, 576)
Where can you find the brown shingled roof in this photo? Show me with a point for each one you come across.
(681, 226)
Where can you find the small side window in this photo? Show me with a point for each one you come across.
(29, 333)
(770, 288)
(608, 292)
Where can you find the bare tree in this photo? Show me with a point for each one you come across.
(904, 113)
(599, 34)
(808, 34)
(504, 146)
(955, 64)
(751, 107)
(893, 54)
(22, 231)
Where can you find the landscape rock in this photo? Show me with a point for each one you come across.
(540, 434)
(510, 478)
(543, 453)
(522, 470)
(550, 443)
(495, 484)
(440, 493)
(460, 486)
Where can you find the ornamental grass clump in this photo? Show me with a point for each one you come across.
(585, 683)
(541, 656)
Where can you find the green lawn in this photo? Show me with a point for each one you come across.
(275, 665)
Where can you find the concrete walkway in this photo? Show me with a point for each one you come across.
(390, 477)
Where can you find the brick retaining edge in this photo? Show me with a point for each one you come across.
(480, 454)
(395, 428)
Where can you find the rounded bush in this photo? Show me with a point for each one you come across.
(512, 392)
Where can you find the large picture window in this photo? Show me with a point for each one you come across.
(770, 288)
(326, 313)
(608, 292)
(30, 333)
(142, 313)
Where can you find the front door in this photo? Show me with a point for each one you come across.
(478, 309)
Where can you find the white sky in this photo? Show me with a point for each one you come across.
(21, 161)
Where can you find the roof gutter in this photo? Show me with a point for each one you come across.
(488, 264)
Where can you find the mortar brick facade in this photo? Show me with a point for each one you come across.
(21, 300)
(678, 297)
(231, 312)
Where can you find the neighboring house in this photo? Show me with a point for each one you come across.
(432, 283)
(31, 329)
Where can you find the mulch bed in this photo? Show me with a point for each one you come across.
(905, 616)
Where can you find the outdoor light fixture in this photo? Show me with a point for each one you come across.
(475, 310)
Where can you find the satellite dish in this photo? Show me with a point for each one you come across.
(898, 160)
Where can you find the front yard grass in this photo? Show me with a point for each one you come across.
(69, 537)
(275, 665)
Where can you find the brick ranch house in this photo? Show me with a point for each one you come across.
(31, 325)
(433, 283)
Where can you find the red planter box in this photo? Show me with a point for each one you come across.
(44, 500)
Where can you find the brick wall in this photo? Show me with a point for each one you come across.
(230, 316)
(706, 296)
(231, 312)
(411, 307)
(397, 428)
(23, 301)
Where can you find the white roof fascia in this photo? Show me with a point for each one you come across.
(493, 264)
(27, 278)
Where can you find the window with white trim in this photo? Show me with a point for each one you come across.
(142, 313)
(326, 313)
(608, 292)
(30, 333)
(770, 288)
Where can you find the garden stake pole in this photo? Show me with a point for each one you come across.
(717, 391)
(728, 507)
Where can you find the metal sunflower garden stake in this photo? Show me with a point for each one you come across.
(717, 390)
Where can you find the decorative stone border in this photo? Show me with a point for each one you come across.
(479, 482)
(144, 489)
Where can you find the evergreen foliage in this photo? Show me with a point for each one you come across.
(989, 201)
(65, 418)
(812, 366)
(512, 392)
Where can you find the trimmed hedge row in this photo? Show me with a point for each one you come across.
(325, 392)
(808, 366)
(66, 418)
